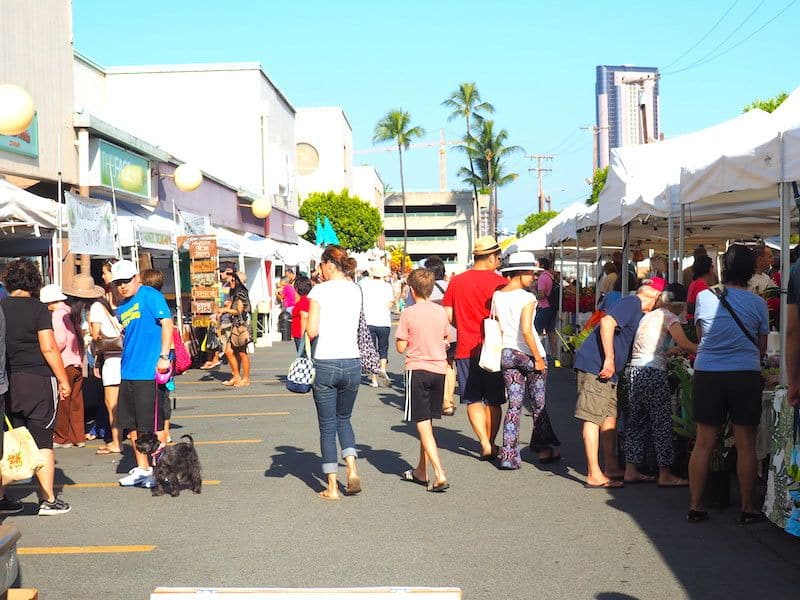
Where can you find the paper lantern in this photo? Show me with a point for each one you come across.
(301, 227)
(188, 178)
(261, 208)
(16, 109)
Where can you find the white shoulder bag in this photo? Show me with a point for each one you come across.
(492, 344)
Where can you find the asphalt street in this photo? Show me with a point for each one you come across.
(532, 533)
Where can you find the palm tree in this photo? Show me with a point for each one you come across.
(466, 102)
(396, 126)
(489, 152)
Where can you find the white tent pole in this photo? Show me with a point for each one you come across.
(625, 257)
(785, 270)
(598, 261)
(671, 250)
(577, 276)
(681, 244)
(560, 292)
(176, 270)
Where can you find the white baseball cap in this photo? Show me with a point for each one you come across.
(123, 269)
(51, 293)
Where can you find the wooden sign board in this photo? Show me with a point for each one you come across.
(203, 266)
(201, 321)
(202, 247)
(393, 593)
(203, 307)
(203, 279)
(205, 293)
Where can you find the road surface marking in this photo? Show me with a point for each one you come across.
(83, 549)
(102, 484)
(181, 398)
(212, 381)
(198, 443)
(253, 414)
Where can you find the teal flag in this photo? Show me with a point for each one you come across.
(330, 233)
(319, 233)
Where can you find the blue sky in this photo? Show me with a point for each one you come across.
(534, 60)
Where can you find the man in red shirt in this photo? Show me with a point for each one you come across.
(468, 302)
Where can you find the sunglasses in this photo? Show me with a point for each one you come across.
(123, 281)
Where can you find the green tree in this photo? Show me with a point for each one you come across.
(466, 103)
(396, 127)
(357, 223)
(598, 183)
(768, 105)
(488, 150)
(535, 220)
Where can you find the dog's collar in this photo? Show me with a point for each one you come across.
(158, 454)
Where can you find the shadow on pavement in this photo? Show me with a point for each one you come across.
(298, 463)
(387, 462)
(447, 439)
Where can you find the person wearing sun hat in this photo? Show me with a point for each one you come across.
(523, 362)
(597, 362)
(378, 300)
(148, 339)
(467, 301)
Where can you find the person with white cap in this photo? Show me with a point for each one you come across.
(36, 375)
(523, 362)
(378, 300)
(467, 301)
(148, 338)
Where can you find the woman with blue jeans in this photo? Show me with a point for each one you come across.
(334, 309)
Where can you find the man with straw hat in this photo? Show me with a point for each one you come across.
(468, 302)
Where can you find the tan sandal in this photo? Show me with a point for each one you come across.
(231, 382)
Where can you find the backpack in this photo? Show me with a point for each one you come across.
(555, 291)
(182, 358)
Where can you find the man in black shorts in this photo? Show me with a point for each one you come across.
(148, 337)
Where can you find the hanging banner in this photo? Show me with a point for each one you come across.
(196, 224)
(25, 143)
(204, 278)
(156, 239)
(90, 226)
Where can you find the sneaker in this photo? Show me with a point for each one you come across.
(148, 482)
(10, 507)
(373, 384)
(56, 507)
(57, 445)
(136, 477)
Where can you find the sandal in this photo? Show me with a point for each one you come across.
(107, 450)
(697, 516)
(409, 476)
(353, 486)
(324, 495)
(242, 383)
(439, 487)
(231, 382)
(746, 518)
(611, 483)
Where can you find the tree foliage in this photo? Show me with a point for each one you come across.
(768, 105)
(357, 223)
(534, 221)
(598, 183)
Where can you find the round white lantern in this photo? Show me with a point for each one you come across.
(188, 178)
(16, 109)
(301, 227)
(261, 208)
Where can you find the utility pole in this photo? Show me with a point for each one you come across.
(539, 170)
(595, 133)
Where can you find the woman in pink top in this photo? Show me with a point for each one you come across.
(69, 426)
(703, 275)
(423, 332)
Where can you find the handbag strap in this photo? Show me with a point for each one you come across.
(10, 427)
(307, 345)
(720, 291)
(113, 320)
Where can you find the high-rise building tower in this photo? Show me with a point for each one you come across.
(628, 109)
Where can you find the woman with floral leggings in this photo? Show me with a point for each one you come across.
(523, 363)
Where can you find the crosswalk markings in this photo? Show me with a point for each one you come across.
(211, 416)
(33, 550)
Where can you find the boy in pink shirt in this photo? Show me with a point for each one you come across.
(423, 332)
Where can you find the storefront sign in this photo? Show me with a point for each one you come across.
(204, 277)
(205, 293)
(25, 143)
(202, 247)
(203, 266)
(90, 226)
(196, 224)
(114, 167)
(203, 307)
(154, 238)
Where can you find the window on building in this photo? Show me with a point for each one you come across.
(307, 159)
(428, 210)
(395, 235)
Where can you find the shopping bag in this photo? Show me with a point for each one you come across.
(21, 457)
(492, 345)
(300, 376)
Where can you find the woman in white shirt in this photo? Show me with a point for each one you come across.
(104, 325)
(378, 301)
(523, 363)
(334, 310)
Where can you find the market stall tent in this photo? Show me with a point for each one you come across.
(27, 222)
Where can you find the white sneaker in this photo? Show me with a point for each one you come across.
(373, 384)
(148, 482)
(136, 477)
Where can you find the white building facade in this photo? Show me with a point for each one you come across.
(324, 150)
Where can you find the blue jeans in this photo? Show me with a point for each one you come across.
(335, 388)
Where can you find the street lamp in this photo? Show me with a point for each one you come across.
(301, 227)
(187, 178)
(16, 109)
(261, 207)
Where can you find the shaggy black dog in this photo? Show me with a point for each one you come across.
(172, 465)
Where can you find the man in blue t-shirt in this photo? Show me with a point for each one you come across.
(148, 326)
(598, 361)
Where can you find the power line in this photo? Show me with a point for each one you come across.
(703, 58)
(562, 142)
(702, 39)
(740, 42)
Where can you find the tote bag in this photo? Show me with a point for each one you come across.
(301, 373)
(21, 457)
(370, 361)
(492, 344)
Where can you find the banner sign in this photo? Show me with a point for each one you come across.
(90, 226)
(196, 224)
(116, 167)
(154, 238)
(25, 143)
(203, 247)
(204, 277)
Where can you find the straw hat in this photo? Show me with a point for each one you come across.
(83, 286)
(378, 270)
(485, 245)
(51, 293)
(521, 261)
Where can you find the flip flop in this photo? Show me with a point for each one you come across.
(242, 383)
(697, 516)
(607, 485)
(324, 497)
(105, 450)
(438, 489)
(230, 383)
(353, 486)
(638, 480)
(674, 485)
(409, 476)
